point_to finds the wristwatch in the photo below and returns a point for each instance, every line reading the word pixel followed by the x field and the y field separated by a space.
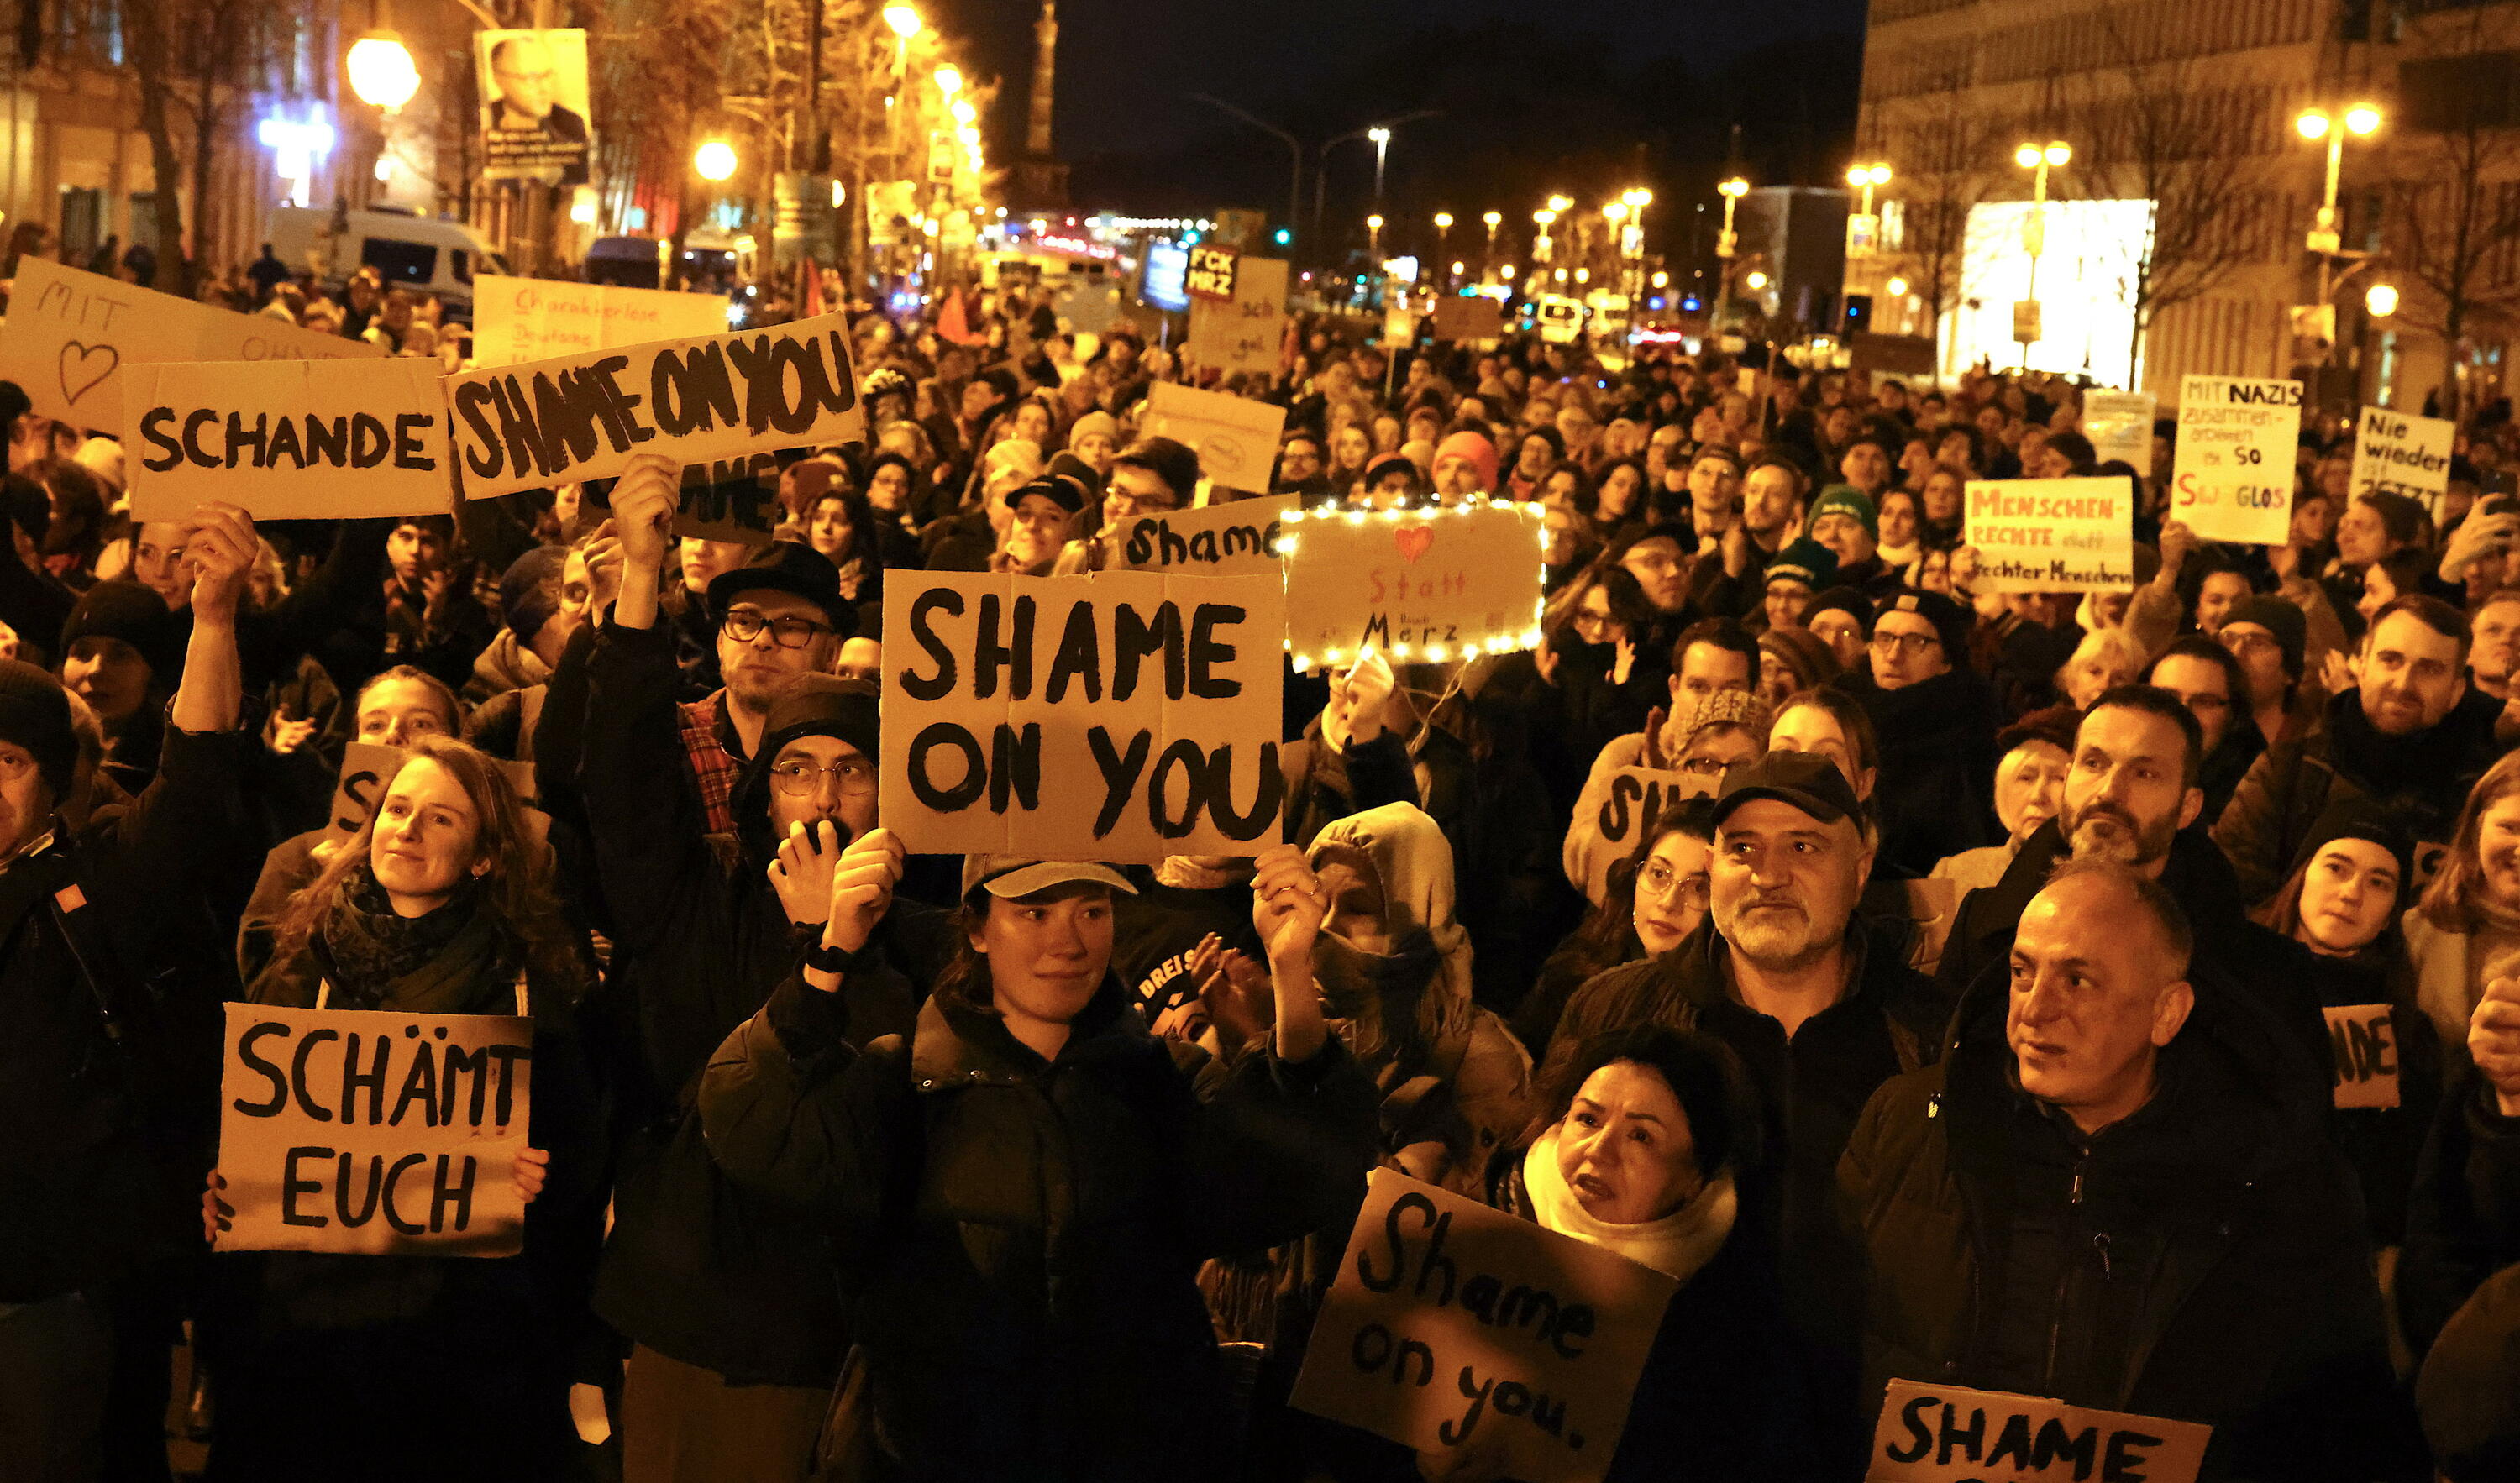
pixel 822 956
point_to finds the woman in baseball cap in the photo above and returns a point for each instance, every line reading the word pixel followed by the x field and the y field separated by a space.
pixel 1028 1185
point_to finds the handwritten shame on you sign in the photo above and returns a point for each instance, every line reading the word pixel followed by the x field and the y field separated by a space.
pixel 1235 540
pixel 2233 473
pixel 71 337
pixel 373 1132
pixel 287 439
pixel 582 417
pixel 1423 584
pixel 1458 1330
pixel 1119 716
pixel 2053 535
pixel 1945 1435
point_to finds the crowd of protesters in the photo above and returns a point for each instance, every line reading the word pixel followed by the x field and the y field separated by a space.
pixel 1966 1024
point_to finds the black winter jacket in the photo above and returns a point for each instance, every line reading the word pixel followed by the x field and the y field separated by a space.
pixel 1020 1236
pixel 1938 761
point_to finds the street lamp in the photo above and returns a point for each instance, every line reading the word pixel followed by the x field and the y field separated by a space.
pixel 903 20
pixel 381 72
pixel 1373 238
pixel 2038 159
pixel 1487 259
pixel 949 79
pixel 1896 287
pixel 1444 241
pixel 1731 190
pixel 2381 300
pixel 1755 280
pixel 2361 120
pixel 714 161
pixel 1381 138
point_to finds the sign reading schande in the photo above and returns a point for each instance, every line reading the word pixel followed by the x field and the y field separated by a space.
pixel 2053 535
pixel 374 1132
pixel 287 439
pixel 2232 476
pixel 1121 717
pixel 583 416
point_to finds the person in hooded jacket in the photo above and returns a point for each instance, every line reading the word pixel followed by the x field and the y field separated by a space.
pixel 1023 1186
pixel 1354 755
pixel 1935 721
pixel 2107 1193
pixel 325 1363
pixel 737 1333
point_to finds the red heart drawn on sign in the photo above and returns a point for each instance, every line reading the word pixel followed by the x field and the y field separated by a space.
pixel 1413 541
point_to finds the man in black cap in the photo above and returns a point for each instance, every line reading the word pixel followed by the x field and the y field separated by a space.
pixel 109 1024
pixel 737 1330
pixel 1935 719
pixel 1782 972
pixel 781 615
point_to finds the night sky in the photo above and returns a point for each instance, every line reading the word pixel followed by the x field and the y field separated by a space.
pixel 1574 95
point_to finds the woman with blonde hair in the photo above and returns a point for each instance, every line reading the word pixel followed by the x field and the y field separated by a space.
pixel 2465 932
pixel 2106 658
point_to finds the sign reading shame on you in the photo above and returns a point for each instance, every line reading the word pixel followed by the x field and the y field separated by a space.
pixel 2053 535
pixel 372 1133
pixel 1945 1435
pixel 581 416
pixel 287 439
pixel 1454 1328
pixel 1235 540
pixel 1120 716
pixel 1424 584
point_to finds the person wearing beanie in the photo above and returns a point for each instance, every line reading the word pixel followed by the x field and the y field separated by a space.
pixel 122 654
pixel 1935 719
pixel 111 957
pixel 533 632
pixel 1792 660
pixel 1466 468
pixel 1799 570
pixel 738 1332
pixel 1843 518
pixel 2270 636
pixel 1842 619
pixel 1392 481
pixel 1093 438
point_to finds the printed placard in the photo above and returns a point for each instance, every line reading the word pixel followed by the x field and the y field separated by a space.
pixel 1457 1329
pixel 533 105
pixel 581 416
pixel 287 440
pixel 1629 803
pixel 529 318
pixel 1235 437
pixel 1210 275
pixel 2362 1049
pixel 1245 333
pixel 374 1132
pixel 2119 424
pixel 1231 540
pixel 2403 455
pixel 1947 1434
pixel 1120 715
pixel 2053 535
pixel 2231 479
pixel 1422 584
pixel 70 336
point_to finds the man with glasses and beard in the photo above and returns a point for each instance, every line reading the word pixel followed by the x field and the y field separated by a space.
pixel 725 1294
pixel 2130 797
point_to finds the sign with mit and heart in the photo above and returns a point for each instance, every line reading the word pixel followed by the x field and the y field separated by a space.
pixel 1421 585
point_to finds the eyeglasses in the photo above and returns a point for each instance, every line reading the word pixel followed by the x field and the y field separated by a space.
pixel 798 780
pixel 1658 880
pixel 2243 642
pixel 1908 644
pixel 1586 620
pixel 787 633
pixel 1703 766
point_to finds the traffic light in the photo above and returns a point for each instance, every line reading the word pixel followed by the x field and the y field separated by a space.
pixel 1283 237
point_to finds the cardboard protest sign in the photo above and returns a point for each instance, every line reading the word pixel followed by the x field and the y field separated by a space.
pixel 2053 535
pixel 529 319
pixel 1235 437
pixel 2362 1049
pixel 287 439
pixel 729 499
pixel 1456 1327
pixel 2233 477
pixel 1467 319
pixel 1233 540
pixel 2119 424
pixel 70 336
pixel 1946 1434
pixel 581 416
pixel 1210 273
pixel 367 769
pixel 1421 584
pixel 1636 797
pixel 367 1132
pixel 1245 333
pixel 1149 703
pixel 2403 455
